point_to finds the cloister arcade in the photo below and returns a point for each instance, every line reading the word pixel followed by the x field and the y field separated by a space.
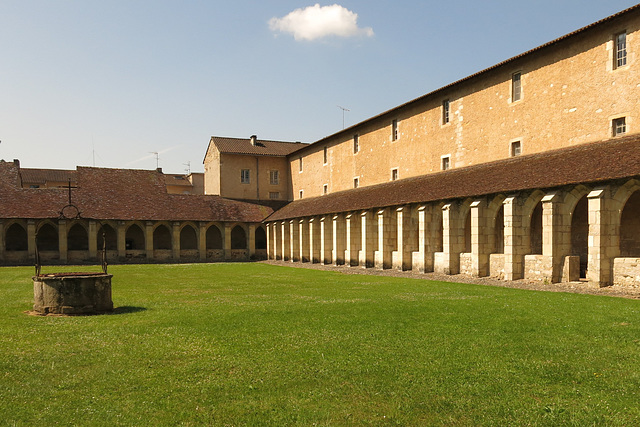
pixel 572 233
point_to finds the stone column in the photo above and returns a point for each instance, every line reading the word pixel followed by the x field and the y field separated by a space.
pixel 148 240
pixel 252 241
pixel 276 244
pixel 556 237
pixel 387 238
pixel 406 234
pixel 31 238
pixel 122 239
pixel 604 240
pixel 354 240
pixel 285 242
pixel 294 240
pixel 326 240
pixel 452 238
pixel 428 225
pixel 267 226
pixel 305 251
pixel 62 240
pixel 514 239
pixel 175 240
pixel 314 240
pixel 369 230
pixel 480 248
pixel 93 240
pixel 227 241
pixel 202 241
pixel 339 240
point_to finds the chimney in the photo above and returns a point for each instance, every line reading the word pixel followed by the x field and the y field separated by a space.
pixel 159 170
pixel 254 140
pixel 16 162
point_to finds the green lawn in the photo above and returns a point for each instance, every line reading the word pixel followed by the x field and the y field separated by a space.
pixel 254 344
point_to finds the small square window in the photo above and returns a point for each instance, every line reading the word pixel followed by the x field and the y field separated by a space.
pixel 619 126
pixel 356 144
pixel 516 148
pixel 245 177
pixel 274 177
pixel 446 163
pixel 394 174
pixel 516 87
pixel 356 182
pixel 274 195
pixel 325 188
pixel 620 59
pixel 394 130
pixel 445 111
pixel 326 156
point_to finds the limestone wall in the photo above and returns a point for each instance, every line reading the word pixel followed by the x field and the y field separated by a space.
pixel 626 272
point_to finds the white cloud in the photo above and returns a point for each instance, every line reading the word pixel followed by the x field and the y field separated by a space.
pixel 315 22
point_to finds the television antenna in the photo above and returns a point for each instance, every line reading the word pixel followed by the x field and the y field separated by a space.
pixel 155 153
pixel 343 111
pixel 188 165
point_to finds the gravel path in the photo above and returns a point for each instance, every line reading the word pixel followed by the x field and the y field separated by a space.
pixel 573 287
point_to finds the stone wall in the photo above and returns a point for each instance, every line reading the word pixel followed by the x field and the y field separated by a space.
pixel 626 272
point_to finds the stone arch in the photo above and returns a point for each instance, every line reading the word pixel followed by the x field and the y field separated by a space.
pixel 532 222
pixel 16 238
pixel 630 226
pixel 78 238
pixel 188 237
pixel 580 233
pixel 495 220
pixel 214 237
pixel 260 238
pixel 238 237
pixel 47 237
pixel 134 238
pixel 467 233
pixel 465 224
pixel 110 236
pixel 162 237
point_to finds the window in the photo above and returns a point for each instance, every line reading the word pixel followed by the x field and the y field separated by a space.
pixel 300 194
pixel 274 177
pixel 619 126
pixel 516 87
pixel 446 162
pixel 326 156
pixel 356 144
pixel 394 174
pixel 394 130
pixel 620 59
pixel 516 148
pixel 300 164
pixel 34 186
pixel 445 111
pixel 274 195
pixel 325 188
pixel 356 182
pixel 245 177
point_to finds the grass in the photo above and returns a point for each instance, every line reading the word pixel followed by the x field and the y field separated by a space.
pixel 254 344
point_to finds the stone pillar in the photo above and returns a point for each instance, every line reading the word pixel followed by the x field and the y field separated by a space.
pixel 276 241
pixel 314 240
pixel 480 247
pixel 252 241
pixel 452 238
pixel 62 240
pixel 31 238
pixel 2 243
pixel 514 239
pixel 93 240
pixel 354 240
pixel 227 241
pixel 202 241
pixel 428 226
pixel 406 234
pixel 339 240
pixel 285 242
pixel 556 236
pixel 369 230
pixel 604 240
pixel 148 239
pixel 267 226
pixel 305 251
pixel 122 239
pixel 294 240
pixel 326 240
pixel 175 240
pixel 387 238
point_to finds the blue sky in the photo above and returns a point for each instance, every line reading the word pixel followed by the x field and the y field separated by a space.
pixel 115 80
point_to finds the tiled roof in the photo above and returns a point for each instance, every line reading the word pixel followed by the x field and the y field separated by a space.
pixel 40 176
pixel 587 163
pixel 119 194
pixel 262 147
pixel 180 180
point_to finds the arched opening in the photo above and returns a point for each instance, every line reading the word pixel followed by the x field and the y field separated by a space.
pixel 188 238
pixel 630 227
pixel 161 238
pixel 498 232
pixel 77 238
pixel 214 238
pixel 47 238
pixel 238 238
pixel 467 233
pixel 261 238
pixel 535 230
pixel 134 238
pixel 580 234
pixel 110 236
pixel 439 242
pixel 16 238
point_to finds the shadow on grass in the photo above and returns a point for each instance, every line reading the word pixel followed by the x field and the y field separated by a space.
pixel 127 310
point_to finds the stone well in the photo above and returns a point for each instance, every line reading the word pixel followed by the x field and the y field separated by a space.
pixel 72 293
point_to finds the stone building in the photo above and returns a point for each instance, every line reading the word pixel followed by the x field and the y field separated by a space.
pixel 528 169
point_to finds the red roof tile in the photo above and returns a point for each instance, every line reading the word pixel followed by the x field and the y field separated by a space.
pixel 262 147
pixel 41 176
